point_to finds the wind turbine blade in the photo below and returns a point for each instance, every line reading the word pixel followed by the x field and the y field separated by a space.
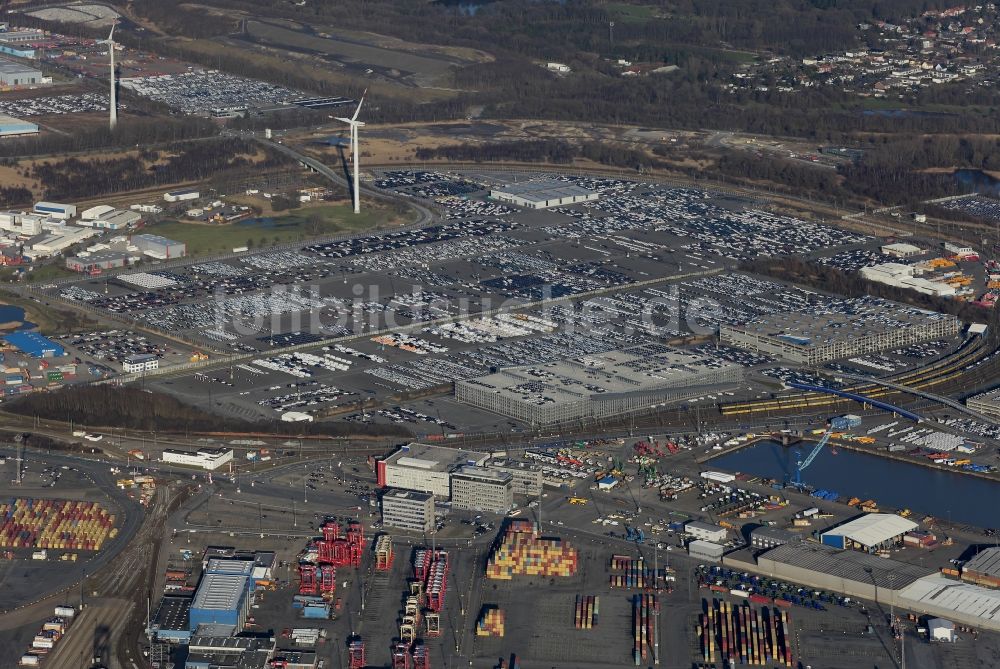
pixel 360 102
pixel 112 33
pixel 344 120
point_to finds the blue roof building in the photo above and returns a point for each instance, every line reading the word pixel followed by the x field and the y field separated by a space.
pixel 221 599
pixel 35 345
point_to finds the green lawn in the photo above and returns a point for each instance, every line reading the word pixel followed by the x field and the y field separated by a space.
pixel 50 272
pixel 266 231
pixel 625 12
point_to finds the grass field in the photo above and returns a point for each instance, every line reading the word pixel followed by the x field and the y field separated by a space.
pixel 296 225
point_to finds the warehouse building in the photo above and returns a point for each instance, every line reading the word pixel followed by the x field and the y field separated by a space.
pixel 871 533
pixel 705 550
pixel 542 193
pixel 206 458
pixel 35 345
pixel 706 531
pixel 48 244
pixel 226 652
pixel 103 217
pixel 964 603
pixel 172 620
pixel 481 489
pixel 181 195
pixel 765 537
pixel 408 510
pixel 526 478
pixel 16 75
pixel 867 326
pixel 901 250
pixel 63 212
pixel 987 404
pixel 138 363
pixel 221 599
pixel 852 573
pixel 424 468
pixel 159 247
pixel 984 568
pixel 597 386
pixel 94 263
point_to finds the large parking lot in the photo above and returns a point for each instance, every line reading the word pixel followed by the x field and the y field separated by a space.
pixel 402 313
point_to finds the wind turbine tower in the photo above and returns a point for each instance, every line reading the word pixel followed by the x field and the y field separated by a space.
pixel 113 107
pixel 353 123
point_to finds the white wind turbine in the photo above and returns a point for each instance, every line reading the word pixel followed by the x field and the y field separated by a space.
pixel 354 124
pixel 113 119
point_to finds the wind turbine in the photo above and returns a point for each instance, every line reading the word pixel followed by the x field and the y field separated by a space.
pixel 354 124
pixel 113 107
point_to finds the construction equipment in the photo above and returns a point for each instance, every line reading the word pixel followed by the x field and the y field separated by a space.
pixel 802 465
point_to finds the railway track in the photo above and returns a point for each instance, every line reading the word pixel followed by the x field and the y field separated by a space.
pixel 938 373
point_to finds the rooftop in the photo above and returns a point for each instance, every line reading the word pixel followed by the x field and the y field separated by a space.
pixel 860 318
pixel 986 562
pixel 847 564
pixel 220 592
pixel 483 474
pixel 873 528
pixel 408 494
pixel 946 595
pixel 541 190
pixel 224 566
pixel 603 376
pixel 173 613
pixel 433 458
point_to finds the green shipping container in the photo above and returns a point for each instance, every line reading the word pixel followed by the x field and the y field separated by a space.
pixel 55 376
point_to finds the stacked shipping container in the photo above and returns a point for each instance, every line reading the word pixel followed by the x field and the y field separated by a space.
pixel 523 552
pixel 58 524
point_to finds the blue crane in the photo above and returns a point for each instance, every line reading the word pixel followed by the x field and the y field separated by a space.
pixel 801 465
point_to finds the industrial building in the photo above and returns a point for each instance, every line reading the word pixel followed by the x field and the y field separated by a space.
pixel 424 468
pixel 63 212
pixel 56 242
pixel 542 193
pixel 706 550
pixel 526 479
pixel 901 250
pixel 765 537
pixel 35 345
pixel 987 403
pixel 103 217
pixel 905 276
pixel 868 326
pixel 159 247
pixel 16 75
pixel 221 599
pixel 984 568
pixel 871 533
pixel 597 386
pixel 481 489
pixel 225 652
pixel 408 510
pixel 706 531
pixel 98 262
pixel 181 195
pixel 140 362
pixel 172 620
pixel 206 458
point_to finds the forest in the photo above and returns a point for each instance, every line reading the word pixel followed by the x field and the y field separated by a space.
pixel 75 178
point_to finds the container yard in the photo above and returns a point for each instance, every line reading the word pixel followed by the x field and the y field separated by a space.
pixel 522 552
pixel 586 612
pixel 45 640
pixel 55 524
pixel 491 622
pixel 742 634
pixel 645 629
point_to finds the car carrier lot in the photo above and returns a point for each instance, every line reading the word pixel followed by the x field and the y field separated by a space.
pixel 643 264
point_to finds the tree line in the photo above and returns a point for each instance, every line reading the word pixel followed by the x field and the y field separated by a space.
pixel 137 409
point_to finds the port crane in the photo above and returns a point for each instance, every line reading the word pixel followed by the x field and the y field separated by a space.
pixel 801 465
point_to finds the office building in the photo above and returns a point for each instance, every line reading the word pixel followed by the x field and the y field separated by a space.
pixel 408 510
pixel 140 362
pixel 526 478
pixel 706 531
pixel 481 489
pixel 424 468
